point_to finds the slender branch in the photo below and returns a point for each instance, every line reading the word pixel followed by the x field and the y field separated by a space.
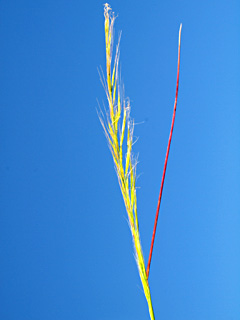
pixel 167 153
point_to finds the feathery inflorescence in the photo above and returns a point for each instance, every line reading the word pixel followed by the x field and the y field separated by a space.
pixel 118 127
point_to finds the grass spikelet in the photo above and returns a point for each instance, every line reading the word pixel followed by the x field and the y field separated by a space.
pixel 119 128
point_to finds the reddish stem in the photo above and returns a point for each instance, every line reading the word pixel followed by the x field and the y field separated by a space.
pixel 166 158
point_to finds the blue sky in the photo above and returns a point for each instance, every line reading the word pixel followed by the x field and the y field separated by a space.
pixel 65 245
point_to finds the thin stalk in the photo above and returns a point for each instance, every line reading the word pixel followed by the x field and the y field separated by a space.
pixel 166 158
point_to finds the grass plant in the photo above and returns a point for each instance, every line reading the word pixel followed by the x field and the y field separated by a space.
pixel 119 127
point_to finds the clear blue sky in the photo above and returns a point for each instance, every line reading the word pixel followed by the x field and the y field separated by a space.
pixel 65 246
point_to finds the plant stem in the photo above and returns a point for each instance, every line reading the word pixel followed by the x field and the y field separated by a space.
pixel 166 158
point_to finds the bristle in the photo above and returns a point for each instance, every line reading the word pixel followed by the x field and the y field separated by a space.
pixel 115 131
